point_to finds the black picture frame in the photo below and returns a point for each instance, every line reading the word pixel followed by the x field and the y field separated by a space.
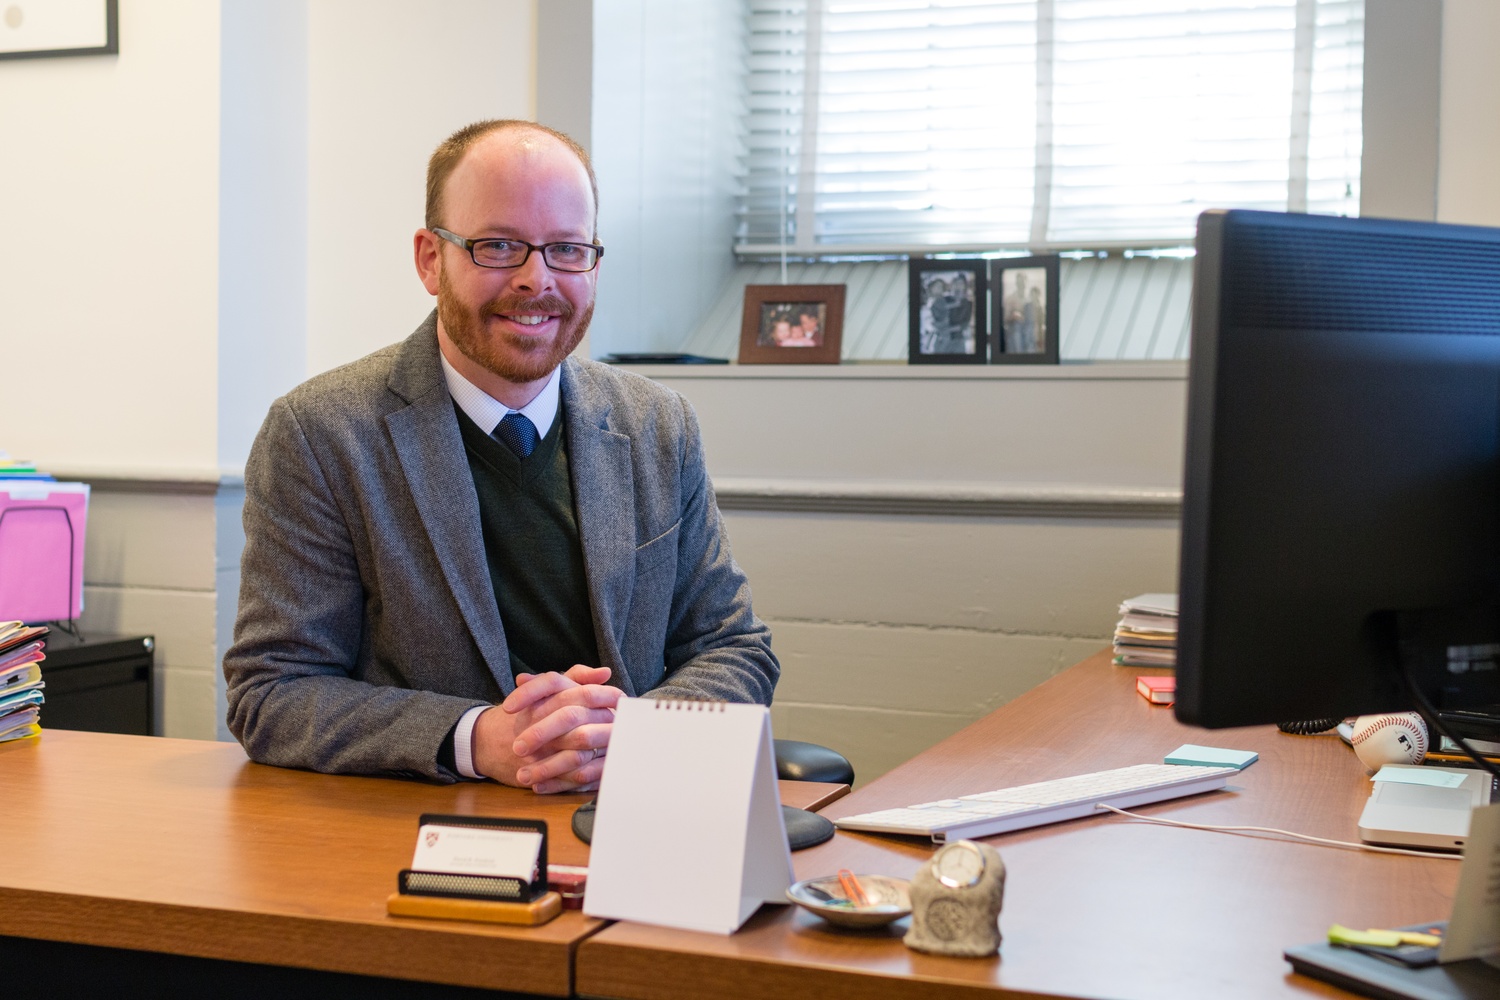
pixel 109 11
pixel 948 313
pixel 1024 327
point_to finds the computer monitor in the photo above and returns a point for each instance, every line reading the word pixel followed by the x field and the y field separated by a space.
pixel 1341 496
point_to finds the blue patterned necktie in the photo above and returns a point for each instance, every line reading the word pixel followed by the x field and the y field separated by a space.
pixel 518 434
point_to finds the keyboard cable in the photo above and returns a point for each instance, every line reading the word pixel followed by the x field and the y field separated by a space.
pixel 1284 833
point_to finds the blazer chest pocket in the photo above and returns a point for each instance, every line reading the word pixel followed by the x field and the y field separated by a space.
pixel 658 554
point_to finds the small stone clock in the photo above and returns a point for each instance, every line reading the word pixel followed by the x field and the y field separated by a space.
pixel 955 901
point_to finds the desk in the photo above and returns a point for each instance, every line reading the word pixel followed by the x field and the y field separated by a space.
pixel 187 848
pixel 1100 907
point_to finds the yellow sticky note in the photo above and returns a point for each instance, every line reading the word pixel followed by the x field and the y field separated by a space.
pixel 1416 937
pixel 1339 934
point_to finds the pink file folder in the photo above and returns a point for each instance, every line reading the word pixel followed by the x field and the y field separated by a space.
pixel 41 550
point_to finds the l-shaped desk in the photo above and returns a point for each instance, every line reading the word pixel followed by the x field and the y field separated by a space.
pixel 185 848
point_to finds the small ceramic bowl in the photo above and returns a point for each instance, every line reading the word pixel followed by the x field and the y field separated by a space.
pixel 889 900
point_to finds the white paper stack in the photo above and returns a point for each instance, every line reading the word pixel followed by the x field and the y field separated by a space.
pixel 1146 634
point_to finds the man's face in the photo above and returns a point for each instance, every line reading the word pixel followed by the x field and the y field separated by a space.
pixel 518 323
pixel 809 323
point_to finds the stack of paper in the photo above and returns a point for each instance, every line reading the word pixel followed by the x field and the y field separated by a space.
pixel 1146 634
pixel 21 684
pixel 20 468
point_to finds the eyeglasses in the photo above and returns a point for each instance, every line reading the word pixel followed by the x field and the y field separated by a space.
pixel 514 253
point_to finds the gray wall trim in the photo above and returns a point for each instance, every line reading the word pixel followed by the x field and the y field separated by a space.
pixel 947 499
pixel 184 482
pixel 755 494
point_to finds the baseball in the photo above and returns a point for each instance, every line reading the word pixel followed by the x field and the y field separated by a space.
pixel 1397 738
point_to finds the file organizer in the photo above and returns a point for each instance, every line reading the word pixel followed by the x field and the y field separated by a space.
pixel 41 550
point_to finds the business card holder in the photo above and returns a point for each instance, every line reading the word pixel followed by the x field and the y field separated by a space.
pixel 487 898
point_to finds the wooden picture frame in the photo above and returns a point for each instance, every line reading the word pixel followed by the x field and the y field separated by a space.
pixel 1024 328
pixel 39 30
pixel 947 312
pixel 792 325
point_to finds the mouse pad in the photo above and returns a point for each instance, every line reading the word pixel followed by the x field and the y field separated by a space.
pixel 803 829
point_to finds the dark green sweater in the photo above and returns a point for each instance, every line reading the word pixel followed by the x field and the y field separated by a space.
pixel 532 547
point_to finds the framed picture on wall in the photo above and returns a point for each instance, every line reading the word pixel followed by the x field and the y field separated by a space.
pixel 1025 301
pixel 947 322
pixel 36 29
pixel 792 325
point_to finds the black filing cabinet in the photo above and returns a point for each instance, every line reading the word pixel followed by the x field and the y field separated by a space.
pixel 102 684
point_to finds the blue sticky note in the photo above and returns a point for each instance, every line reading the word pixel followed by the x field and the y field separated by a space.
pixel 1438 777
pixel 1198 756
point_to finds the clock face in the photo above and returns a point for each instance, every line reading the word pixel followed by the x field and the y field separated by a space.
pixel 958 865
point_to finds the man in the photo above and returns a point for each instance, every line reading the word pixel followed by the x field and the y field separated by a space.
pixel 405 571
pixel 1019 328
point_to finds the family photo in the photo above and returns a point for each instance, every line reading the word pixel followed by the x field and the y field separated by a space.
pixel 791 324
pixel 947 313
pixel 1023 320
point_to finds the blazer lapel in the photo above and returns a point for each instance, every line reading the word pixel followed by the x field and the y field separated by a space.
pixel 431 451
pixel 604 499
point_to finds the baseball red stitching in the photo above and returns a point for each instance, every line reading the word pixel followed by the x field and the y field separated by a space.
pixel 1380 723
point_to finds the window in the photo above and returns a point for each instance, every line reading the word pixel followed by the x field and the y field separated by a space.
pixel 880 126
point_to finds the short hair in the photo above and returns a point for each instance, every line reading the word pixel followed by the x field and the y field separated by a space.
pixel 450 152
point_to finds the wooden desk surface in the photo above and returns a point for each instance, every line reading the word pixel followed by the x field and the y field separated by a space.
pixel 1099 907
pixel 186 847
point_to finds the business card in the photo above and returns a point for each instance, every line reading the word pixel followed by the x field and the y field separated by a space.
pixel 470 850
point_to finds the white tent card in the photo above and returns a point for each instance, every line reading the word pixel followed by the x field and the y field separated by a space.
pixel 688 830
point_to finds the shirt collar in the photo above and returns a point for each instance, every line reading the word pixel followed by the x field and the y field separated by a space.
pixel 486 411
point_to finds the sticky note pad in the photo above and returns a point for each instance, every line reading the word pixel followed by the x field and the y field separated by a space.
pixel 1437 777
pixel 1212 757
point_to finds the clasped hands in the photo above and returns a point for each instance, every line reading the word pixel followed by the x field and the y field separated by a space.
pixel 551 733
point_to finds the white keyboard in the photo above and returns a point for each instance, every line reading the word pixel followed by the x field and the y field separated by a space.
pixel 987 813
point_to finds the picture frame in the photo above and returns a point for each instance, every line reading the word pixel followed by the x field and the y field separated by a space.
pixel 948 316
pixel 1024 327
pixel 40 30
pixel 792 325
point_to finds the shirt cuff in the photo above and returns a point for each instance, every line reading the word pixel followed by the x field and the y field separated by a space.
pixel 463 741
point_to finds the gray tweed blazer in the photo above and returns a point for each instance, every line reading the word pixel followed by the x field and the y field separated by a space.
pixel 367 622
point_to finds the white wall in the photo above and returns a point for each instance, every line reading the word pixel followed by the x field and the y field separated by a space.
pixel 667 100
pixel 1469 138
pixel 109 268
pixel 1431 111
pixel 109 303
pixel 263 214
pixel 251 173
pixel 388 81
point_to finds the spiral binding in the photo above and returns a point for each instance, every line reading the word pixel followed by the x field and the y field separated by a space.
pixel 690 705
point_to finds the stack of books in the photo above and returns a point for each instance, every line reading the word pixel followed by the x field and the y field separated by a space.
pixel 21 656
pixel 1146 634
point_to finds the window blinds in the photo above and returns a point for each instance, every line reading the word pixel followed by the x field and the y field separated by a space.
pixel 897 125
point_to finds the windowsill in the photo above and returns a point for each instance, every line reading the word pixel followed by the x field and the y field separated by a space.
pixel 900 370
